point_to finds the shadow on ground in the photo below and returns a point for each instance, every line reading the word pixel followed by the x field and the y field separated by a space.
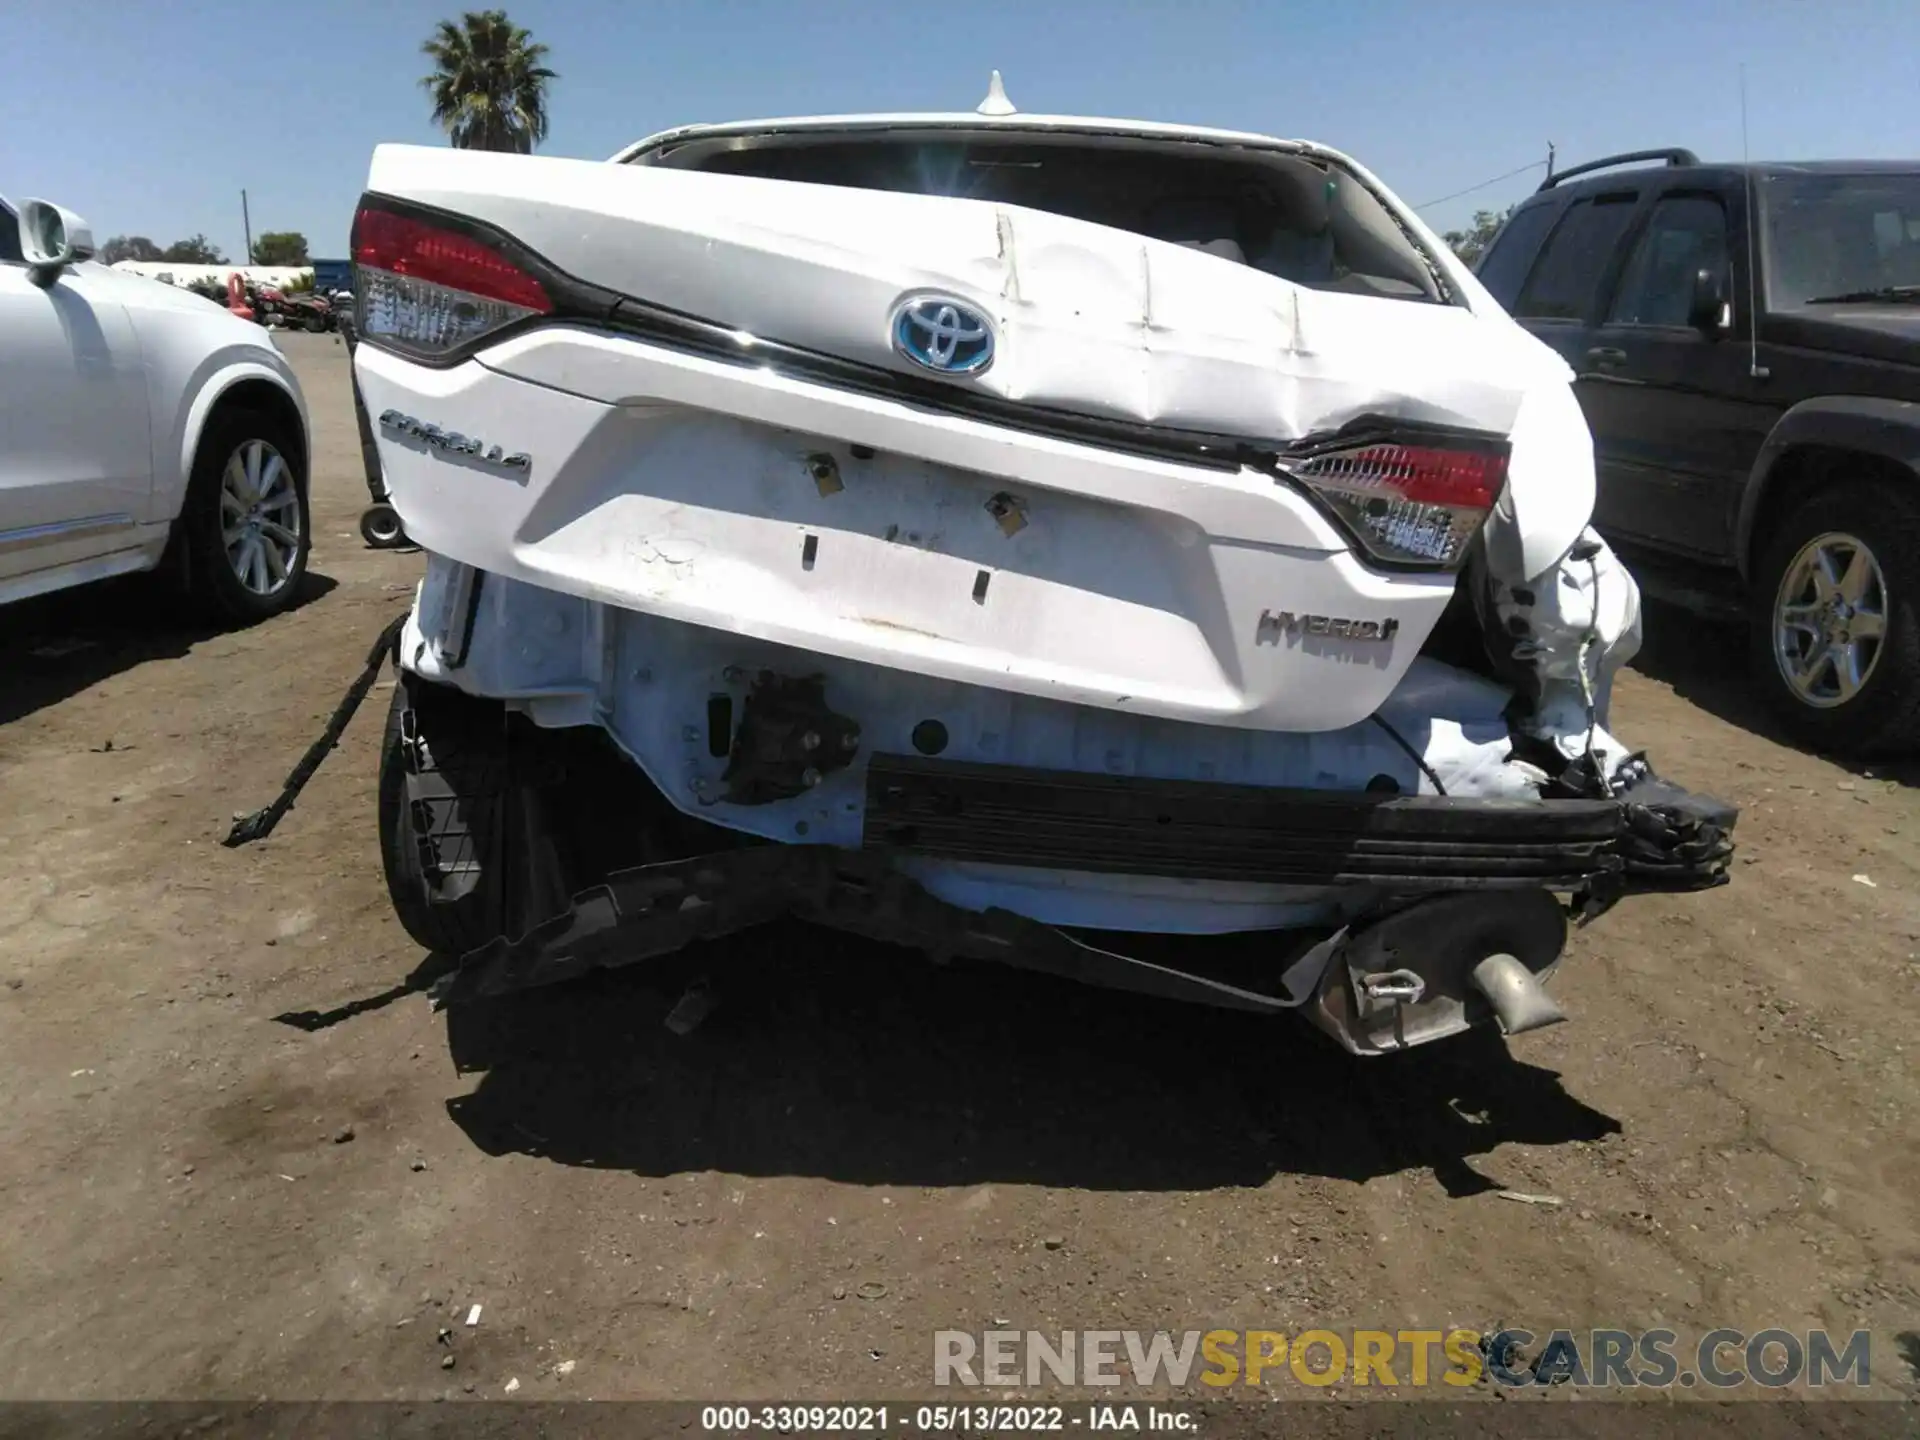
pixel 1705 662
pixel 56 646
pixel 417 982
pixel 855 1062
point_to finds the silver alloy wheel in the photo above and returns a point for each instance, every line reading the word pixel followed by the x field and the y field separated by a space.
pixel 259 517
pixel 1829 620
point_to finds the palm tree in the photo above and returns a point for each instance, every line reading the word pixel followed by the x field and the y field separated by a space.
pixel 489 88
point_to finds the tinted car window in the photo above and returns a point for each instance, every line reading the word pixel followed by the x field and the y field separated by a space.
pixel 1834 237
pixel 9 236
pixel 1506 263
pixel 1562 283
pixel 1687 233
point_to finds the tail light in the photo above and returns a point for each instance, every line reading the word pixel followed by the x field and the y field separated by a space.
pixel 432 290
pixel 1415 504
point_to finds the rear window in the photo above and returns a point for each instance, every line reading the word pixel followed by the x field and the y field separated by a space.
pixel 9 236
pixel 1303 220
pixel 1505 265
pixel 1561 286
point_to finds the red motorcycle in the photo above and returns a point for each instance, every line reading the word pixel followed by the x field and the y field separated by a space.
pixel 296 311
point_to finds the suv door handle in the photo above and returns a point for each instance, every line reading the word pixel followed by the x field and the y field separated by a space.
pixel 1604 355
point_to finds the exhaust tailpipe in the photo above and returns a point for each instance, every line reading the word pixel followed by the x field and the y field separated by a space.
pixel 1518 998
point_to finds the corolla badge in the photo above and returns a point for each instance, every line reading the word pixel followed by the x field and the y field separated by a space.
pixel 452 442
pixel 942 334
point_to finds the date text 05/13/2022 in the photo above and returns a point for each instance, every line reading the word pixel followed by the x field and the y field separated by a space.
pixel 969 1419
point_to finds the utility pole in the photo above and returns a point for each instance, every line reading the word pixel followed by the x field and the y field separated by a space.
pixel 1549 159
pixel 246 222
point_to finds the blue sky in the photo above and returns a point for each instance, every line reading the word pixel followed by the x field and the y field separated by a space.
pixel 149 118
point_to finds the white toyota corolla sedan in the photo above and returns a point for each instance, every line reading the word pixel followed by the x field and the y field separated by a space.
pixel 141 427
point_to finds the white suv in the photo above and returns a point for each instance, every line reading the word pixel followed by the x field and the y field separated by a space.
pixel 141 426
pixel 1060 541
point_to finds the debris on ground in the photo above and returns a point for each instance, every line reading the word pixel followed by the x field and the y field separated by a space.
pixel 343 1135
pixel 691 1009
pixel 1866 881
pixel 511 1386
pixel 1526 1199
pixel 473 1316
pixel 446 1362
pixel 565 1367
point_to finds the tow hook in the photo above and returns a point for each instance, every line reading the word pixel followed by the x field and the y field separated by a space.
pixel 1393 987
pixel 1518 998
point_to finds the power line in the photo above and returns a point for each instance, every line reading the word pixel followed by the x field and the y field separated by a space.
pixel 1532 165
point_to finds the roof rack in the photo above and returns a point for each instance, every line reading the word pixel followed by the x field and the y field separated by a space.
pixel 1674 156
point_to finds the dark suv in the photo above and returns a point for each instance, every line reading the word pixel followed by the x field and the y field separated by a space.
pixel 1747 345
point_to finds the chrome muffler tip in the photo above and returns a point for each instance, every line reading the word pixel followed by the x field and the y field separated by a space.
pixel 1518 998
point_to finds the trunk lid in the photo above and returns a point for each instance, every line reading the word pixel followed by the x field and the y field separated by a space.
pixel 1089 318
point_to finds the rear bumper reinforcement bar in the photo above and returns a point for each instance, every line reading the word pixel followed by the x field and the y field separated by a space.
pixel 1069 820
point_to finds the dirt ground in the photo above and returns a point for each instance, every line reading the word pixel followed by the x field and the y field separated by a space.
pixel 241 1156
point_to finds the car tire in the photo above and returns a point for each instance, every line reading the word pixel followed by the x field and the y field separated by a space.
pixel 380 527
pixel 466 849
pixel 259 575
pixel 1804 629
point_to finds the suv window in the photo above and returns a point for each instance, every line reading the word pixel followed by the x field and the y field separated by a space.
pixel 1687 233
pixel 9 236
pixel 1505 265
pixel 1833 237
pixel 1562 283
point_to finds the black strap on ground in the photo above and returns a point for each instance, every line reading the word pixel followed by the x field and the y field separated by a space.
pixel 260 823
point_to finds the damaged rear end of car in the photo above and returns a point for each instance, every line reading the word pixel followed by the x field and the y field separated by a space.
pixel 1134 553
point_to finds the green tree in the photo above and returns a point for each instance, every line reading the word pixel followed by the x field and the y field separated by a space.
pixel 1469 244
pixel 488 86
pixel 128 247
pixel 196 250
pixel 280 247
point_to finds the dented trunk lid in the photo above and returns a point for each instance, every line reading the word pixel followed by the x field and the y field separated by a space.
pixel 1089 318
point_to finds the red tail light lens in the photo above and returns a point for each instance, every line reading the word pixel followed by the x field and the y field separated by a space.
pixel 433 290
pixel 1409 504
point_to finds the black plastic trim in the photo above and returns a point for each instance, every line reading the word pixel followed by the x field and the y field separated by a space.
pixel 1205 830
pixel 676 330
